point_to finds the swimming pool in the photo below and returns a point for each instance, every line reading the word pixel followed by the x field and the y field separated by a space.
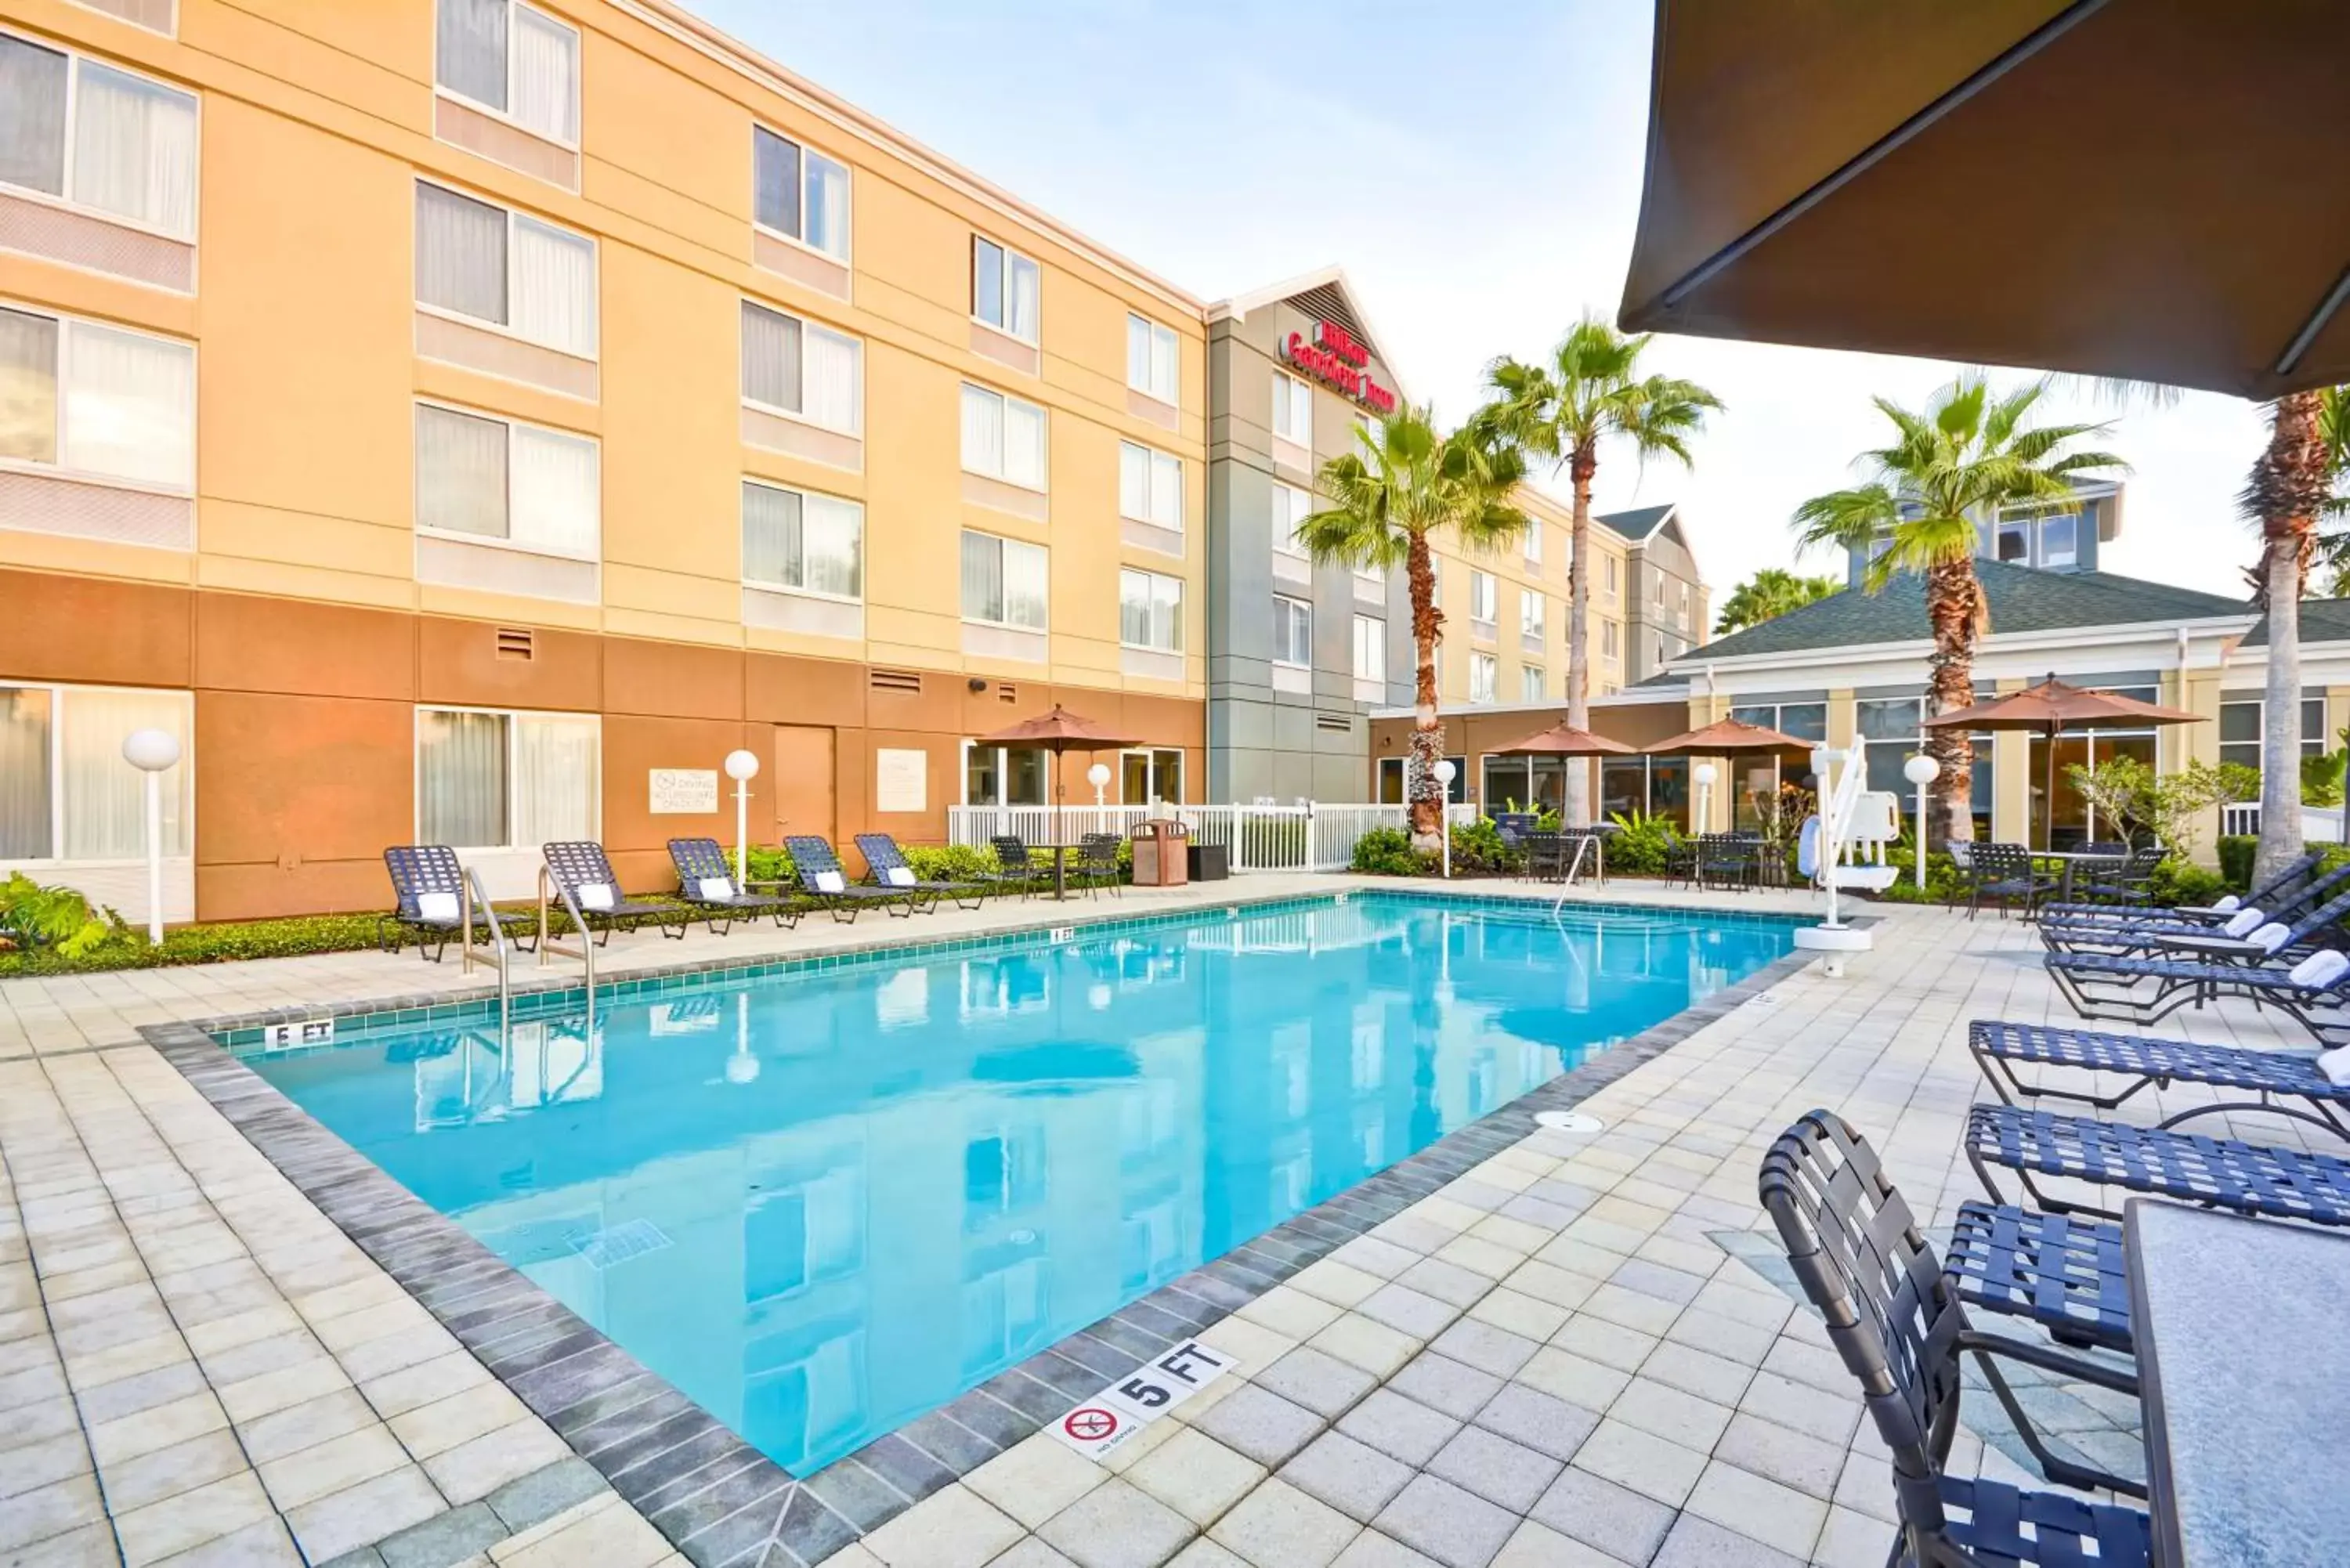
pixel 824 1201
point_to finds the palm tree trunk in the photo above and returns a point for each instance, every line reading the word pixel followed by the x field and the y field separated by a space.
pixel 1951 594
pixel 1583 464
pixel 1426 793
pixel 2289 485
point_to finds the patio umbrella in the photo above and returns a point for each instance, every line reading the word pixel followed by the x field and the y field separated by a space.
pixel 1564 741
pixel 1725 737
pixel 1812 164
pixel 2050 707
pixel 1058 732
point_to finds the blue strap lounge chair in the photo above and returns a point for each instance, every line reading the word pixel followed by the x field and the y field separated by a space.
pixel 428 889
pixel 581 868
pixel 2282 1083
pixel 2223 1173
pixel 888 867
pixel 2314 990
pixel 2157 933
pixel 706 880
pixel 823 880
pixel 2307 868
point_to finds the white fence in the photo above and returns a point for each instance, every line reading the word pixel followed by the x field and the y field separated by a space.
pixel 2319 824
pixel 1309 836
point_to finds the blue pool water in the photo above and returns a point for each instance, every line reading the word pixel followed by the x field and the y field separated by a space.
pixel 823 1203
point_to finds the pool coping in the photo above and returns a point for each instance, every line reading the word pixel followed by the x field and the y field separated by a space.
pixel 713 1496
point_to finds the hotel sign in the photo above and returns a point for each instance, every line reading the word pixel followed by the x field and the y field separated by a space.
pixel 1336 360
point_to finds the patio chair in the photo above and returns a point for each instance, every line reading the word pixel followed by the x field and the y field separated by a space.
pixel 1098 865
pixel 706 882
pixel 2286 882
pixel 823 879
pixel 581 868
pixel 888 867
pixel 1681 862
pixel 2153 930
pixel 1726 861
pixel 2311 991
pixel 1546 854
pixel 2220 1173
pixel 1513 825
pixel 428 889
pixel 2269 1076
pixel 1015 868
pixel 1901 1328
pixel 2004 872
pixel 2124 880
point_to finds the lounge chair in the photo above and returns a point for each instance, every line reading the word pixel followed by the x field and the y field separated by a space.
pixel 706 882
pixel 581 868
pixel 823 880
pixel 2250 934
pixel 1901 1324
pixel 888 867
pixel 2282 885
pixel 1014 865
pixel 2074 933
pixel 428 888
pixel 2220 1173
pixel 2316 982
pixel 2269 1076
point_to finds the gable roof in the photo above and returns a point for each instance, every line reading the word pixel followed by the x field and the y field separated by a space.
pixel 1326 292
pixel 1640 524
pixel 2022 599
pixel 2322 620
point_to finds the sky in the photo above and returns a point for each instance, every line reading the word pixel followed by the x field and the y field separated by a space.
pixel 1476 170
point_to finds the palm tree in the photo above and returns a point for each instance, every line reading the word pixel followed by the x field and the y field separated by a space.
pixel 1769 593
pixel 1961 460
pixel 1405 482
pixel 1590 389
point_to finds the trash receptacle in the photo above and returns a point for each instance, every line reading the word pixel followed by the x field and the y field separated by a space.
pixel 1210 862
pixel 1158 857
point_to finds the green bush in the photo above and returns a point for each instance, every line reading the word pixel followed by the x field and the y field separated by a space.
pixel 2183 882
pixel 2236 852
pixel 1478 849
pixel 1643 845
pixel 770 866
pixel 2322 778
pixel 952 862
pixel 212 943
pixel 52 920
pixel 1387 852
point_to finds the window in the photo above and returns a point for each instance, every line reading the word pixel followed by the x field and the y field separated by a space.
pixel 1371 581
pixel 1525 783
pixel 1152 358
pixel 97 400
pixel 1153 775
pixel 1485 674
pixel 1661 649
pixel 494 780
pixel 496 479
pixel 515 61
pixel 1293 410
pixel 799 193
pixel 1150 610
pixel 1534 541
pixel 1391 790
pixel 1892 727
pixel 1608 564
pixel 65 794
pixel 2240 730
pixel 797 368
pixel 489 264
pixel 1149 486
pixel 1530 614
pixel 1003 438
pixel 2059 540
pixel 1530 683
pixel 1370 647
pixel 999 776
pixel 1290 507
pixel 1293 631
pixel 1484 595
pixel 1369 435
pixel 1003 286
pixel 799 540
pixel 95 138
pixel 1611 642
pixel 1003 581
pixel 1684 601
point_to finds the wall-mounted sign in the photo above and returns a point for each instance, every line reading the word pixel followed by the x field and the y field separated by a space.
pixel 900 779
pixel 1336 360
pixel 683 792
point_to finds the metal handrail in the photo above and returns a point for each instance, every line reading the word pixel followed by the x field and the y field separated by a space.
pixel 499 951
pixel 1583 841
pixel 585 953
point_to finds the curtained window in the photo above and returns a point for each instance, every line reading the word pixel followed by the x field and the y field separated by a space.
pixel 1150 611
pixel 495 478
pixel 97 399
pixel 111 141
pixel 482 261
pixel 1485 675
pixel 27 728
pixel 1530 683
pixel 1290 507
pixel 495 781
pixel 514 60
pixel 1003 438
pixel 1152 358
pixel 101 798
pixel 1370 649
pixel 803 541
pixel 798 367
pixel 1293 631
pixel 1149 486
pixel 1003 581
pixel 799 193
pixel 1004 289
pixel 1293 410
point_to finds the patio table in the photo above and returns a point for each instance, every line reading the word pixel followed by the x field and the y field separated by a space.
pixel 1060 854
pixel 2237 1323
pixel 2073 858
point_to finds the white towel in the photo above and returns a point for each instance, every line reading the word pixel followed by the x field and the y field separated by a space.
pixel 716 887
pixel 2229 901
pixel 594 895
pixel 2321 969
pixel 2244 922
pixel 899 876
pixel 2271 937
pixel 437 906
pixel 831 882
pixel 2335 1066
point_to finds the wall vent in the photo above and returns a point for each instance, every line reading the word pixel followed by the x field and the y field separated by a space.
pixel 1007 692
pixel 896 680
pixel 1338 722
pixel 514 642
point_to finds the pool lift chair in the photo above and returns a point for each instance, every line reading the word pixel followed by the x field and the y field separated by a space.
pixel 1832 838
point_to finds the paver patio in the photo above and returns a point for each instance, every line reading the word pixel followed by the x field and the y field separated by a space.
pixel 1574 1354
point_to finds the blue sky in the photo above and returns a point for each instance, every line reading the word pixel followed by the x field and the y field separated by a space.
pixel 1475 166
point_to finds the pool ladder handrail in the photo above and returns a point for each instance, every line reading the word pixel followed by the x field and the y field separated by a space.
pixel 1589 841
pixel 585 953
pixel 500 952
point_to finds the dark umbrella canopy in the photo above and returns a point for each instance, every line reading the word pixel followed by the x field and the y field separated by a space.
pixel 1058 732
pixel 2148 195
pixel 2051 707
pixel 1724 736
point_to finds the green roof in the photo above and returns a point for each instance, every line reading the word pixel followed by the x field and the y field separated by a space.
pixel 1637 524
pixel 2322 620
pixel 2022 599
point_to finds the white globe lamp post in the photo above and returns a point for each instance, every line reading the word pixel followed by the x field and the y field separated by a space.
pixel 1445 774
pixel 1922 771
pixel 1097 775
pixel 742 766
pixel 153 753
pixel 1703 775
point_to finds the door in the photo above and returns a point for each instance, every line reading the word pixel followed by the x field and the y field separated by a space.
pixel 805 781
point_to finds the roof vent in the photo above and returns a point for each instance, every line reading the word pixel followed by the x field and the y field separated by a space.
pixel 514 642
pixel 896 680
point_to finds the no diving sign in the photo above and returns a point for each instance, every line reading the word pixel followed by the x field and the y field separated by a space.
pixel 1110 1417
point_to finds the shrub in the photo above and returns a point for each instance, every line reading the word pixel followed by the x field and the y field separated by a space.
pixel 770 866
pixel 951 862
pixel 53 919
pixel 2322 778
pixel 1387 852
pixel 1643 845
pixel 1479 849
pixel 2236 852
pixel 2183 882
pixel 212 943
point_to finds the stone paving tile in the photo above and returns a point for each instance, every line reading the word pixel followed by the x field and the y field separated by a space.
pixel 1439 1520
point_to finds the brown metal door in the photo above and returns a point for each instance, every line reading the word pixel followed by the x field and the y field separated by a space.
pixel 805 781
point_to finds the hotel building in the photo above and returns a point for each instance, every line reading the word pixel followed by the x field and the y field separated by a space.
pixel 467 421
